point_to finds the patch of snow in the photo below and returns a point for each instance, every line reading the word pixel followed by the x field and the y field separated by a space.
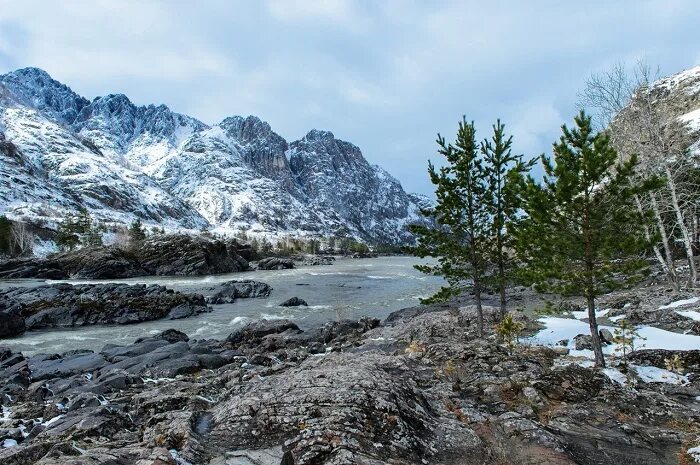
pixel 650 374
pixel 557 329
pixel 7 443
pixel 616 318
pixel 695 453
pixel 692 314
pixel 680 303
pixel 615 375
pixel 581 315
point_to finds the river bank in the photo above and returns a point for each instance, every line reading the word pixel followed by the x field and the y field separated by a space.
pixel 419 388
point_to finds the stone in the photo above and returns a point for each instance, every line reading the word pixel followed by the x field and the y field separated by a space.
pixel 294 302
pixel 583 341
pixel 229 291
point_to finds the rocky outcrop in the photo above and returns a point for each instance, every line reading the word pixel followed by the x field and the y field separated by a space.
pixel 424 389
pixel 65 305
pixel 156 256
pixel 274 263
pixel 229 291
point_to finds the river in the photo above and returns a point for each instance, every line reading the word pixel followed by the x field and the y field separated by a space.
pixel 350 288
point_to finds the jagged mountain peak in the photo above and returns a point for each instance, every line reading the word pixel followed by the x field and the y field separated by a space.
pixel 124 160
pixel 318 135
pixel 35 88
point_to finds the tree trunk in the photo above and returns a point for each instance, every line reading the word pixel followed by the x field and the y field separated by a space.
pixel 595 335
pixel 692 279
pixel 673 278
pixel 657 252
pixel 479 309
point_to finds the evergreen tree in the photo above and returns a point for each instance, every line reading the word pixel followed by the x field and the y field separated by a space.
pixel 66 238
pixel 461 216
pixel 5 235
pixel 504 174
pixel 136 232
pixel 93 236
pixel 583 234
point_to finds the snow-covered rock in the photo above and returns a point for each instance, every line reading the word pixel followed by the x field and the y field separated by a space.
pixel 62 152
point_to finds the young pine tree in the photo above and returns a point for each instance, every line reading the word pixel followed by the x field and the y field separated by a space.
pixel 136 232
pixel 461 217
pixel 504 174
pixel 583 234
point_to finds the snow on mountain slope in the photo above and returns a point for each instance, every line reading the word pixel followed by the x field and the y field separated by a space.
pixel 123 161
pixel 109 191
pixel 334 175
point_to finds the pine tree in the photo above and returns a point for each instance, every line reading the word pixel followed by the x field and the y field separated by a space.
pixel 583 234
pixel 66 238
pixel 504 175
pixel 5 235
pixel 461 216
pixel 136 232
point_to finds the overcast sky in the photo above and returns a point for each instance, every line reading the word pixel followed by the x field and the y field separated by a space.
pixel 385 75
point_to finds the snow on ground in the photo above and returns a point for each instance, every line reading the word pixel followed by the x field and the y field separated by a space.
pixel 692 314
pixel 616 318
pixel 695 453
pixel 584 314
pixel 680 303
pixel 659 375
pixel 558 329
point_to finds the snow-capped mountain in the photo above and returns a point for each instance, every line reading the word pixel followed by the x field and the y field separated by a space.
pixel 61 152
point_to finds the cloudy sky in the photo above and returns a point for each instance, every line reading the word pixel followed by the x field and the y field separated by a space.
pixel 386 75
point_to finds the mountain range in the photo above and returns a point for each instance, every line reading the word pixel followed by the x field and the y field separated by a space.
pixel 60 152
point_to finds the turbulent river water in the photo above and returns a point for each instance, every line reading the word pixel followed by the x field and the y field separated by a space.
pixel 350 288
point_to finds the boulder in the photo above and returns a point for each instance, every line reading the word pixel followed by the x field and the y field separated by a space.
pixel 274 263
pixel 583 341
pixel 606 337
pixel 294 302
pixel 253 332
pixel 229 291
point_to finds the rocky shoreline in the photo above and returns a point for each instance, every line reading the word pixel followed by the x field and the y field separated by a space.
pixel 419 388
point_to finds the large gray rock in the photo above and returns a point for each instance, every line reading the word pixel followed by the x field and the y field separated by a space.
pixel 294 302
pixel 229 291
pixel 274 263
pixel 66 305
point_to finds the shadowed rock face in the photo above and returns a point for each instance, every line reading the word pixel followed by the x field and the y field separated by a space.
pixel 156 256
pixel 65 306
pixel 423 389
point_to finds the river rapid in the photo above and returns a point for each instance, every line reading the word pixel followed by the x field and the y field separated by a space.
pixel 350 288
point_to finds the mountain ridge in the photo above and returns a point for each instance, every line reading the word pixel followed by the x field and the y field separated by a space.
pixel 124 161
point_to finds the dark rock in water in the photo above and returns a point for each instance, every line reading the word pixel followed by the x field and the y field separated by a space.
pixel 176 254
pixel 66 305
pixel 229 291
pixel 274 263
pixel 11 319
pixel 294 302
pixel 169 335
pixel 583 341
